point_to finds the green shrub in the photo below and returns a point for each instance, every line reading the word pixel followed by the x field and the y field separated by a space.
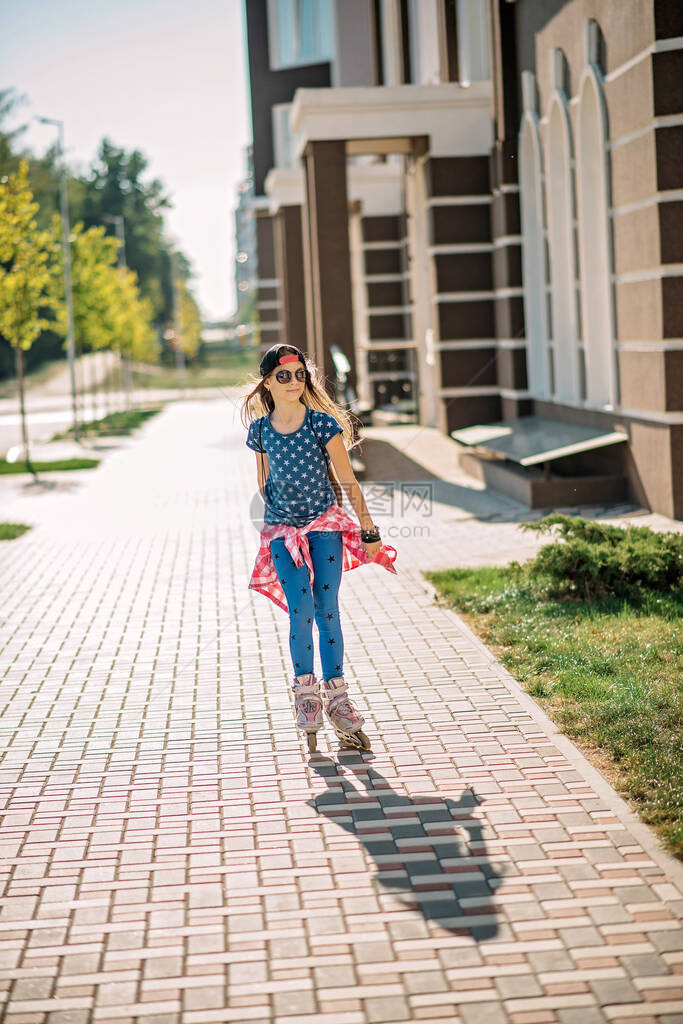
pixel 592 559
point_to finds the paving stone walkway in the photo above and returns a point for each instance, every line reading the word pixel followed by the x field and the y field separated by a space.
pixel 169 853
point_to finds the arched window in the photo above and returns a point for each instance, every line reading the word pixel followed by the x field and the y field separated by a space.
pixel 560 207
pixel 533 246
pixel 595 246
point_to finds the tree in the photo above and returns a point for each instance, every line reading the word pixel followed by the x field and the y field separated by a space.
pixel 28 264
pixel 136 336
pixel 109 312
pixel 115 186
pixel 189 320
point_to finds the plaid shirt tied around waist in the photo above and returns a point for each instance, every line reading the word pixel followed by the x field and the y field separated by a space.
pixel 264 578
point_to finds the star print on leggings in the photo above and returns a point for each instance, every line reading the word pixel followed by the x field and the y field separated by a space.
pixel 308 620
pixel 293 636
pixel 277 556
pixel 331 639
pixel 308 648
pixel 330 616
pixel 331 558
pixel 337 667
pixel 295 610
pixel 326 586
pixel 304 590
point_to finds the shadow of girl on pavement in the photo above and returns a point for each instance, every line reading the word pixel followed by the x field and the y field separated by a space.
pixel 430 851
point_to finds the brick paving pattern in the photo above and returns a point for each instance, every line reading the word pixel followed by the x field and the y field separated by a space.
pixel 169 852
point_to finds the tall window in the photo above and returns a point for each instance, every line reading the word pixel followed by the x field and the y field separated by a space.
pixel 473 49
pixel 378 41
pixel 300 32
pixel 464 41
pixel 405 42
pixel 594 232
pixel 533 245
pixel 450 37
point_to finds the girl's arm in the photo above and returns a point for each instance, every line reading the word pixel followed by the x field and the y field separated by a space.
pixel 342 467
pixel 261 472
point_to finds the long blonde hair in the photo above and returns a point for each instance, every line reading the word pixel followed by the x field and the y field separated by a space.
pixel 259 401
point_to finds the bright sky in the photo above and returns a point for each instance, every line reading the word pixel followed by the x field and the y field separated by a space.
pixel 167 77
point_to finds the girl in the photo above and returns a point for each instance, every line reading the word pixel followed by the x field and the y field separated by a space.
pixel 308 539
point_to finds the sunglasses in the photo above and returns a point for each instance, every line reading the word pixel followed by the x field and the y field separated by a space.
pixel 284 376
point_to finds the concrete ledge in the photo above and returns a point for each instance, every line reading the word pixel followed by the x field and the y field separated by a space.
pixel 531 487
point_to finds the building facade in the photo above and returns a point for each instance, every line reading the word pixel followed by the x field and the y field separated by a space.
pixel 588 110
pixel 477 202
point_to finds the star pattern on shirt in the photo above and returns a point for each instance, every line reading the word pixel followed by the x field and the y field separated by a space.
pixel 298 487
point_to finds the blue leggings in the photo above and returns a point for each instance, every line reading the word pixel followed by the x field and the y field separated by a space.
pixel 322 605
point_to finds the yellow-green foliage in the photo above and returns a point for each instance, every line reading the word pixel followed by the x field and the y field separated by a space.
pixel 190 321
pixel 109 312
pixel 28 298
pixel 134 333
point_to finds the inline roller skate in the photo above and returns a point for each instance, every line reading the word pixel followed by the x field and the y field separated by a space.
pixel 308 707
pixel 343 717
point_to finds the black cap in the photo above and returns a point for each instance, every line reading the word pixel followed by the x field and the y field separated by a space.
pixel 271 358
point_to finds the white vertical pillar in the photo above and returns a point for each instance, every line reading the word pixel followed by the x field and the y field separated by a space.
pixel 360 306
pixel 595 248
pixel 560 207
pixel 421 289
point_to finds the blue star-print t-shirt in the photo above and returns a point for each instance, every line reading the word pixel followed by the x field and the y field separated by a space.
pixel 298 487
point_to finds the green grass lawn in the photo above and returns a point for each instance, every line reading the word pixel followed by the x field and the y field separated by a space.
pixel 609 672
pixel 7 468
pixel 10 531
pixel 115 424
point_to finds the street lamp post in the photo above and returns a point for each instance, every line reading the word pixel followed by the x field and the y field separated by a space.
pixel 66 247
pixel 117 220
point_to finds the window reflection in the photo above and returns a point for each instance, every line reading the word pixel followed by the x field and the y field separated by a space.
pixel 300 32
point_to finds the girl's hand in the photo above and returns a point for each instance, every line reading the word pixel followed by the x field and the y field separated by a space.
pixel 372 549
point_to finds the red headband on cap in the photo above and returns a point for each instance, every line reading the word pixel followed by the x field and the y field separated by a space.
pixel 288 359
